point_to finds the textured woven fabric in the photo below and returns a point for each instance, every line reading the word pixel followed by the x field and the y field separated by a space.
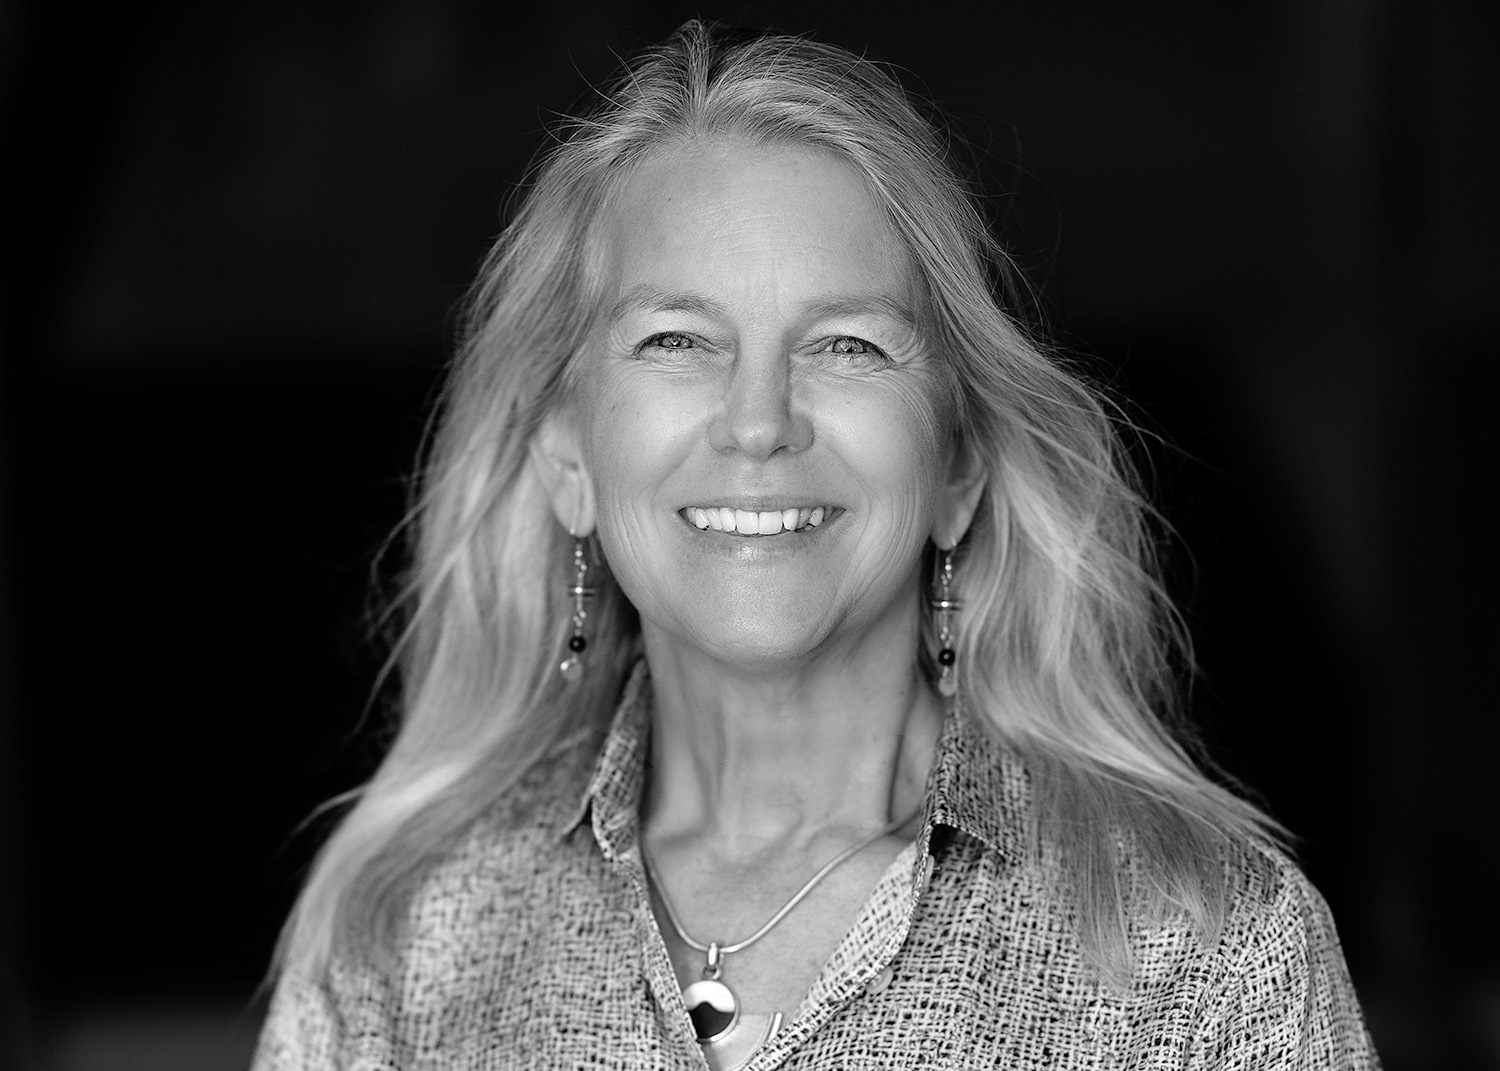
pixel 533 945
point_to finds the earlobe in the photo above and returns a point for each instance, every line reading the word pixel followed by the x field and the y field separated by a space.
pixel 966 484
pixel 557 459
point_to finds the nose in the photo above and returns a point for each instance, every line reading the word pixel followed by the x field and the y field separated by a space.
pixel 760 414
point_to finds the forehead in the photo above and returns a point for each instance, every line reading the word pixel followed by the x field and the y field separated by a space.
pixel 791 222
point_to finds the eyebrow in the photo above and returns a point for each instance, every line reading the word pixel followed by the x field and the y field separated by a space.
pixel 656 299
pixel 645 296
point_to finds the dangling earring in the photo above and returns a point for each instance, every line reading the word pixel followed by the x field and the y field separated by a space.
pixel 571 667
pixel 946 606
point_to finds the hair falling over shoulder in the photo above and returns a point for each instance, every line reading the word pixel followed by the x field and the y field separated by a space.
pixel 1069 650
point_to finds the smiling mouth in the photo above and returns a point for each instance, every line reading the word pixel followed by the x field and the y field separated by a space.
pixel 755 522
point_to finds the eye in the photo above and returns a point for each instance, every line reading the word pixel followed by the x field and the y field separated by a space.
pixel 849 346
pixel 668 340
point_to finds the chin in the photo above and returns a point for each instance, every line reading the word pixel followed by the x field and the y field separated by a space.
pixel 753 641
pixel 774 654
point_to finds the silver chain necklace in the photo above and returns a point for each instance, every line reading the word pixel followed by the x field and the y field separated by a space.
pixel 711 1004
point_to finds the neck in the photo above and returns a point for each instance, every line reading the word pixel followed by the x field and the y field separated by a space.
pixel 747 761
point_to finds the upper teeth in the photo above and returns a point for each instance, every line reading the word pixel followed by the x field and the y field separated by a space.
pixel 751 522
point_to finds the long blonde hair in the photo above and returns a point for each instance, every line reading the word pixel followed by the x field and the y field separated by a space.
pixel 1068 644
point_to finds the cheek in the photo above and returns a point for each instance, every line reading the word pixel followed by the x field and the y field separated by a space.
pixel 896 438
pixel 634 440
pixel 611 437
pixel 613 425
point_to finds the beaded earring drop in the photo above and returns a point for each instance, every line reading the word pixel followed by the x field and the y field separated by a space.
pixel 946 606
pixel 571 666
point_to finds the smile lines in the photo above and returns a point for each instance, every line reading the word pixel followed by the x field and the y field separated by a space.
pixel 750 522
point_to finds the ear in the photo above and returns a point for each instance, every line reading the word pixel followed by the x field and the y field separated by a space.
pixel 557 459
pixel 967 479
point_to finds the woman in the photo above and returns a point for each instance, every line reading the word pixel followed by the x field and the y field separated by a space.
pixel 783 679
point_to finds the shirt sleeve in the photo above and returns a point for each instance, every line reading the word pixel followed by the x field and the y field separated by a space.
pixel 1288 1003
pixel 337 1023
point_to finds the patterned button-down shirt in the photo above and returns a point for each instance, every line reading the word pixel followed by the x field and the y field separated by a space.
pixel 533 945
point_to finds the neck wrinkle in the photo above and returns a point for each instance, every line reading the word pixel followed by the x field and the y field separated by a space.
pixel 745 768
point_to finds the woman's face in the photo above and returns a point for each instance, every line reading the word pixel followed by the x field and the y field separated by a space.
pixel 759 419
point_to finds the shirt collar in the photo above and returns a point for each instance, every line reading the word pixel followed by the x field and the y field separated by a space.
pixel 613 795
pixel 977 785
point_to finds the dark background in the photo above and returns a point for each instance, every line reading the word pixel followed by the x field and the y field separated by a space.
pixel 232 240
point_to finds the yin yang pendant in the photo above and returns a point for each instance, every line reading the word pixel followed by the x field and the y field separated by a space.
pixel 711 1005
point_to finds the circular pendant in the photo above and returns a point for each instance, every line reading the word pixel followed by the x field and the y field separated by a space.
pixel 712 1007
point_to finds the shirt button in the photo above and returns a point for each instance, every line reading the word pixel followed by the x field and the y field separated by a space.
pixel 881 982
